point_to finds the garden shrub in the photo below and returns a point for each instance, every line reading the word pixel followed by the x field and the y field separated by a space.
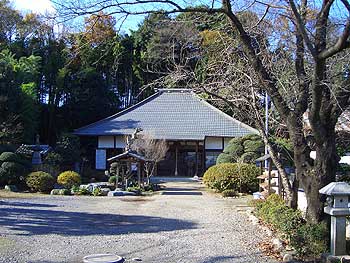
pixel 13 168
pixel 225 158
pixel 11 172
pixel 249 157
pixel 76 190
pixel 309 240
pixel 40 181
pixel 244 149
pixel 256 146
pixel 151 187
pixel 234 176
pixel 8 157
pixel 112 179
pixel 97 192
pixel 250 147
pixel 68 179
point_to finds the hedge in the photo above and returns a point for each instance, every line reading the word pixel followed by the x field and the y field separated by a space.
pixel 232 176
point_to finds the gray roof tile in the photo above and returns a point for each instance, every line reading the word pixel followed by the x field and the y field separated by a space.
pixel 173 114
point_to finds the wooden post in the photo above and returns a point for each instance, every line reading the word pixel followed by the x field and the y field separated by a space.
pixel 117 175
pixel 139 173
pixel 269 177
pixel 176 157
pixel 204 158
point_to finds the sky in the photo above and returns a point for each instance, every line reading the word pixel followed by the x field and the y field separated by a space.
pixel 35 6
pixel 45 6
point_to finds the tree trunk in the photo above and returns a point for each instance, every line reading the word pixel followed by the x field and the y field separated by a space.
pixel 317 176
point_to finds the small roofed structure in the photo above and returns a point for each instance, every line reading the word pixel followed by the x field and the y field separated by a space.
pixel 123 167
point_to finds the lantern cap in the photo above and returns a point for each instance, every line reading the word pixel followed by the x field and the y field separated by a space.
pixel 336 188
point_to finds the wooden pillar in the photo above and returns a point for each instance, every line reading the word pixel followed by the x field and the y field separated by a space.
pixel 204 157
pixel 117 175
pixel 197 146
pixel 139 173
pixel 176 159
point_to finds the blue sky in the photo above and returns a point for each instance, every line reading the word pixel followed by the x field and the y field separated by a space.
pixel 36 6
pixel 44 6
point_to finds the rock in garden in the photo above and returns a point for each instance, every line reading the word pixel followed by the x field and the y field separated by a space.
pixel 277 243
pixel 288 257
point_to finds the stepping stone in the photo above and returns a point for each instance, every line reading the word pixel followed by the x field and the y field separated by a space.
pixel 103 258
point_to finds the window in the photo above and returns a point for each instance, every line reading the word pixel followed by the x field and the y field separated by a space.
pixel 210 158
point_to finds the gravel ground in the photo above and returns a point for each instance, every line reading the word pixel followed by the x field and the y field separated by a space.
pixel 182 224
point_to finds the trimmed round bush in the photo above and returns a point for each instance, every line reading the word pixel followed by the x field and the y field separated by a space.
pixel 249 157
pixel 3 176
pixel 225 158
pixel 68 179
pixel 12 172
pixel 243 149
pixel 240 177
pixel 8 157
pixel 254 146
pixel 40 181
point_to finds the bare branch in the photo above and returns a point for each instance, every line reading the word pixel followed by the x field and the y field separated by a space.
pixel 302 29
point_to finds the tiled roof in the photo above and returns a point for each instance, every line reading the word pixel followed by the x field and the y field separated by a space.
pixel 172 114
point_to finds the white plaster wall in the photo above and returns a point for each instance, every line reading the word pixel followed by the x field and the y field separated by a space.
pixel 106 142
pixel 120 141
pixel 302 203
pixel 213 143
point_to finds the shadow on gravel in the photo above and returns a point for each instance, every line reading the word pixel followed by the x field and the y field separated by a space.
pixel 180 189
pixel 25 204
pixel 221 259
pixel 181 193
pixel 43 222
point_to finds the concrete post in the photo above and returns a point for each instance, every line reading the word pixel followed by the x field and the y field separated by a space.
pixel 338 244
pixel 338 208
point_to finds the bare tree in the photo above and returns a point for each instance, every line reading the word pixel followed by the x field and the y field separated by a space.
pixel 152 149
pixel 314 56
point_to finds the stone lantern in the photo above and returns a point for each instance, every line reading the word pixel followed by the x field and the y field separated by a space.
pixel 338 208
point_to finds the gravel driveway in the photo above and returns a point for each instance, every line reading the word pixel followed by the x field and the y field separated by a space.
pixel 182 224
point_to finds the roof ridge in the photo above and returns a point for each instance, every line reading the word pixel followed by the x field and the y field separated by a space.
pixel 175 90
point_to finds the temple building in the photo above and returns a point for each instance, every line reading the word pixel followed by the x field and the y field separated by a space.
pixel 195 131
